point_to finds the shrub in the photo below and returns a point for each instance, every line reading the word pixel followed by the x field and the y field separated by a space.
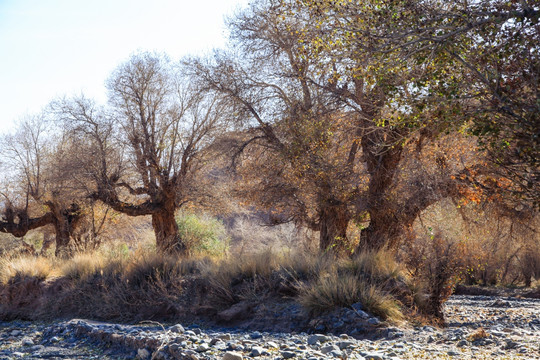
pixel 203 235
pixel 39 268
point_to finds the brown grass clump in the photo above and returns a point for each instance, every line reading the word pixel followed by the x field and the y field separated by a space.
pixel 39 268
pixel 480 333
pixel 334 291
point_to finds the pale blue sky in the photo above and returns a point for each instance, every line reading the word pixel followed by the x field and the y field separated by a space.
pixel 51 48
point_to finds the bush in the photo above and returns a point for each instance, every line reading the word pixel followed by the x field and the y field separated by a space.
pixel 203 235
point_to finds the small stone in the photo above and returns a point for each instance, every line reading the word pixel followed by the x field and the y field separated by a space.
pixel 374 321
pixel 197 331
pixel 18 354
pixel 452 353
pixel 329 348
pixel 55 339
pixel 272 345
pixel 224 336
pixel 203 348
pixel 177 329
pixel 230 355
pixel 374 356
pixel 345 344
pixel 287 354
pixel 27 342
pixel 462 343
pixel 257 351
pixel 16 333
pixel 256 335
pixel 313 339
pixel 143 354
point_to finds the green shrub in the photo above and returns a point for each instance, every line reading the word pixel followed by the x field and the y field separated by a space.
pixel 203 235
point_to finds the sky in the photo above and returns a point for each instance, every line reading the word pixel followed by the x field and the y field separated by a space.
pixel 55 48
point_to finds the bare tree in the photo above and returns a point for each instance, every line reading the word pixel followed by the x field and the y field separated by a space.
pixel 37 192
pixel 148 147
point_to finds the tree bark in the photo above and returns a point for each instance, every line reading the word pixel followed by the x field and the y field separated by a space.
pixel 168 238
pixel 65 222
pixel 333 224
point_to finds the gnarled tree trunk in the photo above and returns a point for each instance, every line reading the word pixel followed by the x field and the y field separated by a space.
pixel 168 238
pixel 333 224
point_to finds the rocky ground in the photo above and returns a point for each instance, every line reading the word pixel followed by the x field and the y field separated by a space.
pixel 479 327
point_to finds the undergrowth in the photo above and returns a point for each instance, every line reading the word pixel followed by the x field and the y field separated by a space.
pixel 145 285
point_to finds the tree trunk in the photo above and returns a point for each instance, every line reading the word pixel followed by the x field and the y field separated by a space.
pixel 168 238
pixel 333 224
pixel 64 248
pixel 65 222
pixel 384 230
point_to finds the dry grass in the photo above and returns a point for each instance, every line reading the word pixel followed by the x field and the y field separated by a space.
pixel 145 285
pixel 39 268
pixel 369 278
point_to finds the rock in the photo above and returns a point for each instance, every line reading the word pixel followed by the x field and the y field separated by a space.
pixel 272 345
pixel 224 336
pixel 287 354
pixel 16 333
pixel 314 339
pixel 256 335
pixel 230 355
pixel 143 354
pixel 374 356
pixel 257 351
pixel 203 348
pixel 177 329
pixel 27 342
pixel 329 348
pixel 345 344
pixel 373 321
pixel 462 343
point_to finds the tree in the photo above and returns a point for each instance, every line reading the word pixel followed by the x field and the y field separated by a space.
pixel 491 44
pixel 148 147
pixel 326 132
pixel 38 192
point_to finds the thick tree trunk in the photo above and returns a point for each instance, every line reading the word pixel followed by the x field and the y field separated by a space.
pixel 65 222
pixel 168 239
pixel 333 224
pixel 64 246
pixel 384 230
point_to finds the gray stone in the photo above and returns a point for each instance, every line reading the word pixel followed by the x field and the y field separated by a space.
pixel 177 329
pixel 329 348
pixel 256 335
pixel 374 321
pixel 203 347
pixel 345 344
pixel 257 351
pixel 462 343
pixel 224 336
pixel 230 355
pixel 143 354
pixel 313 339
pixel 287 354
pixel 374 356
pixel 16 333
pixel 27 342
